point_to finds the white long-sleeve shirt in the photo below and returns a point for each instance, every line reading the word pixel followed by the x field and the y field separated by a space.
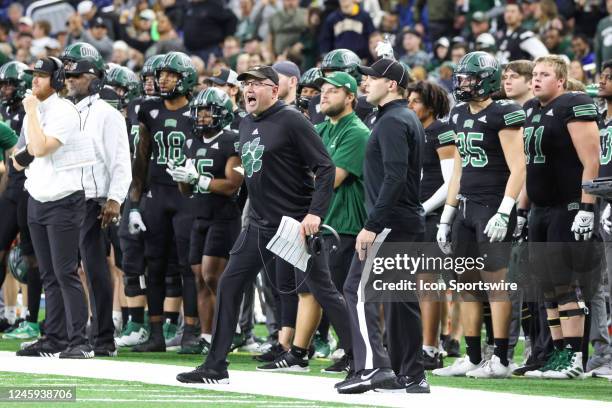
pixel 111 176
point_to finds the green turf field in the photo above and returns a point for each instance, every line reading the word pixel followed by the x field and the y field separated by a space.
pixel 591 388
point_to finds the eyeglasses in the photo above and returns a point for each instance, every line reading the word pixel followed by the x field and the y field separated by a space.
pixel 255 84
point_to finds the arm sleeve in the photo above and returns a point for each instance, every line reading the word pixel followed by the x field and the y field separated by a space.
pixel 117 149
pixel 312 151
pixel 395 152
pixel 8 137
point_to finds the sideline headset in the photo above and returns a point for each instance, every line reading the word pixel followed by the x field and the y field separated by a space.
pixel 58 78
pixel 315 242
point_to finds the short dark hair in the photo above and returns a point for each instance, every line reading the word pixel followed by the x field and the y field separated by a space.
pixel 522 67
pixel 434 97
pixel 44 25
pixel 607 64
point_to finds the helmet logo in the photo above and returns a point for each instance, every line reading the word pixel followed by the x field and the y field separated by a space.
pixel 486 61
pixel 88 52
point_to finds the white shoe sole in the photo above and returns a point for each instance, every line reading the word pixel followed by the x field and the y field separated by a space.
pixel 292 369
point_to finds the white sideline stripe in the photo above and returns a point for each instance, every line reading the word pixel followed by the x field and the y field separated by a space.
pixel 279 385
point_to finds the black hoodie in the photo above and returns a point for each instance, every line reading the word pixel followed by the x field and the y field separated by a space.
pixel 282 154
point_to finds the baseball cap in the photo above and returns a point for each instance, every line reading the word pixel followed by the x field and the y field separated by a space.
pixel 443 42
pixel 225 76
pixel 26 20
pixel 287 68
pixel 387 68
pixel 260 72
pixel 85 7
pixel 339 79
pixel 479 17
pixel 42 66
pixel 98 22
pixel 147 14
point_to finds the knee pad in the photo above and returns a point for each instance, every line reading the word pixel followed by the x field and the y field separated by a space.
pixel 173 281
pixel 134 285
pixel 569 296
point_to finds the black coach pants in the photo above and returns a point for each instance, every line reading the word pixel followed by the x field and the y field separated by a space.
pixel 92 245
pixel 247 257
pixel 402 324
pixel 54 227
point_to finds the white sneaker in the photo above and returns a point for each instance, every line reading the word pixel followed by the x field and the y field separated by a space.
pixel 570 368
pixel 459 368
pixel 133 335
pixel 492 368
pixel 337 355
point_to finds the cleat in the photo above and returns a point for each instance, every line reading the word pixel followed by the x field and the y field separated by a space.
pixel 550 364
pixel 271 355
pixel 366 380
pixel 341 366
pixel 458 369
pixel 25 330
pixel 322 347
pixel 408 385
pixel 133 334
pixel 204 376
pixel 568 368
pixel 80 352
pixel 492 368
pixel 286 363
pixel 431 363
pixel 40 348
pixel 238 340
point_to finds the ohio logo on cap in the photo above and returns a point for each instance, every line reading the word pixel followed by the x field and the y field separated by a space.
pixel 38 64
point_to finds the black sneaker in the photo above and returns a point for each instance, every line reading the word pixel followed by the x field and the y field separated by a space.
pixel 529 366
pixel 106 350
pixel 404 384
pixel 452 348
pixel 366 380
pixel 270 355
pixel 286 363
pixel 190 342
pixel 80 352
pixel 41 348
pixel 341 366
pixel 204 375
pixel 4 324
pixel 156 341
pixel 431 363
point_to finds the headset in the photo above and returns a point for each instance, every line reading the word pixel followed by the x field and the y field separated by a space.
pixel 59 74
pixel 314 243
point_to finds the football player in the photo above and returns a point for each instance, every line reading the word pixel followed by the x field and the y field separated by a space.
pixel 307 89
pixel 209 179
pixel 562 148
pixel 227 80
pixel 164 127
pixel 430 103
pixel 489 173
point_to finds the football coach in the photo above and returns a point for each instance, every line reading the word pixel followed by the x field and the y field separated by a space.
pixel 53 157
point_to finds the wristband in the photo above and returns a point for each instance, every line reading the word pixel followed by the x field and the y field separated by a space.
pixel 23 157
pixel 587 207
pixel 521 212
pixel 204 182
pixel 506 205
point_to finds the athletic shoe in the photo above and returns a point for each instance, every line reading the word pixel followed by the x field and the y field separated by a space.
pixel 569 367
pixel 26 344
pixel 492 368
pixel 337 354
pixel 366 380
pixel 190 340
pixel 322 346
pixel 267 344
pixel 597 360
pixel 529 366
pixel 487 351
pixel 271 355
pixel 106 350
pixel 4 324
pixel 26 330
pixel 458 369
pixel 205 346
pixel 204 375
pixel 550 364
pixel 287 363
pixel 155 343
pixel 14 326
pixel 133 334
pixel 80 352
pixel 451 347
pixel 251 345
pixel 238 340
pixel 341 366
pixel 432 362
pixel 41 348
pixel 405 384
pixel 603 371
pixel 172 337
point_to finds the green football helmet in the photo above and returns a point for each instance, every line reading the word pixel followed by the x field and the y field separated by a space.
pixel 17 265
pixel 181 64
pixel 14 73
pixel 127 81
pixel 480 74
pixel 150 65
pixel 81 57
pixel 308 79
pixel 342 60
pixel 220 106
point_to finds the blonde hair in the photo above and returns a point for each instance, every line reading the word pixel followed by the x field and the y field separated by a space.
pixel 559 64
pixel 573 85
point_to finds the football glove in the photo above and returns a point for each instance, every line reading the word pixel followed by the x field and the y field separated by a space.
pixel 583 225
pixel 444 229
pixel 135 224
pixel 183 174
pixel 497 227
pixel 521 222
pixel 605 221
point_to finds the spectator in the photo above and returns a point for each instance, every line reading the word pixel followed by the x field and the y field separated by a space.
pixel 138 36
pixel 603 37
pixel 252 45
pixel 576 72
pixel 231 50
pixel 246 25
pixel 96 36
pixel 446 76
pixel 441 14
pixel 25 25
pixel 458 50
pixel 263 11
pixel 528 8
pixel 440 53
pixel 582 49
pixel 557 44
pixel 547 15
pixel 288 78
pixel 168 38
pixel 412 54
pixel 518 43
pixel 479 25
pixel 390 26
pixel 373 41
pixel 121 53
pixel 206 23
pixel 14 14
pixel 89 13
pixel 53 48
pixel 24 42
pixel 40 32
pixel 308 45
pixel 372 8
pixel 287 25
pixel 349 27
pixel 242 63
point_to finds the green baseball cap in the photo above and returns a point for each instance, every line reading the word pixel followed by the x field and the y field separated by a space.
pixel 339 79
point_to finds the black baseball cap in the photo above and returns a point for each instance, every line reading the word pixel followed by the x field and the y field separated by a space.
pixel 42 66
pixel 224 76
pixel 387 68
pixel 98 22
pixel 260 72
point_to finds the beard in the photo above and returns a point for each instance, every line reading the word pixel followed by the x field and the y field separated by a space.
pixel 333 111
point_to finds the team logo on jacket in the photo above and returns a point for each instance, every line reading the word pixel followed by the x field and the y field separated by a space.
pixel 251 156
